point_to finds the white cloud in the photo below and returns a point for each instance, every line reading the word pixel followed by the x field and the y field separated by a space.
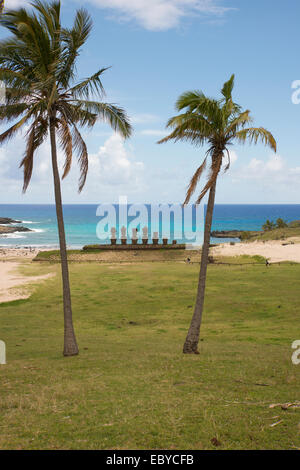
pixel 144 118
pixel 233 156
pixel 275 170
pixel 10 4
pixel 153 15
pixel 113 164
pixel 158 15
pixel 113 170
pixel 153 132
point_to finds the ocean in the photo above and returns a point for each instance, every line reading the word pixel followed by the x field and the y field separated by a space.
pixel 81 222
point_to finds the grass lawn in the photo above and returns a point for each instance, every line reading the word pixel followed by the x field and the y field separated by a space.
pixel 131 387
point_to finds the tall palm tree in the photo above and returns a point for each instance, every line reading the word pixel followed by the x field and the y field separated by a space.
pixel 217 123
pixel 38 67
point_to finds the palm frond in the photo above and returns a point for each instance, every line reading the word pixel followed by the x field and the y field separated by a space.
pixel 190 100
pixel 36 136
pixel 66 144
pixel 214 171
pixel 196 102
pixel 238 122
pixel 72 41
pixel 189 127
pixel 12 112
pixel 227 88
pixel 27 162
pixel 89 86
pixel 82 154
pixel 256 134
pixel 113 115
pixel 76 113
pixel 9 133
pixel 194 181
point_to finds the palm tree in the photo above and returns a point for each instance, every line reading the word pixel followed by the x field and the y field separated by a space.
pixel 269 225
pixel 217 123
pixel 38 66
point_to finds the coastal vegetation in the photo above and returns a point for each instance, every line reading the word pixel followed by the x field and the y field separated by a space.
pixel 270 231
pixel 38 66
pixel 270 225
pixel 216 124
pixel 130 388
pixel 275 232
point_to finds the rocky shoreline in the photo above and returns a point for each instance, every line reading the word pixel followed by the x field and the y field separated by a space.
pixel 232 233
pixel 7 227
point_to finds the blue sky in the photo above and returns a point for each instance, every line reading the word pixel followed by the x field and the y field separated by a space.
pixel 159 49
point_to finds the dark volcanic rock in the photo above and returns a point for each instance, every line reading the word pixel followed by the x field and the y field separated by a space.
pixel 7 220
pixel 227 233
pixel 10 229
pixel 241 234
pixel 6 227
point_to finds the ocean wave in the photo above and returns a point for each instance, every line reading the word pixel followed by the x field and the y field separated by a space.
pixel 12 235
pixel 29 222
pixel 38 230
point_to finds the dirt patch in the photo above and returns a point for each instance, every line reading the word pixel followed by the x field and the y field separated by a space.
pixel 12 283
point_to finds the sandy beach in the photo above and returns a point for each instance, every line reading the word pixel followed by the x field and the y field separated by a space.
pixel 18 253
pixel 274 251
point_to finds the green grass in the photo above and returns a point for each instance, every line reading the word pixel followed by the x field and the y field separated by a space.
pixel 243 259
pixel 276 234
pixel 131 387
pixel 121 256
pixel 54 255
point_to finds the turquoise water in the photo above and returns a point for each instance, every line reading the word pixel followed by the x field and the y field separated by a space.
pixel 81 222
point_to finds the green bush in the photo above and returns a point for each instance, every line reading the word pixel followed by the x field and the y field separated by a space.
pixel 245 235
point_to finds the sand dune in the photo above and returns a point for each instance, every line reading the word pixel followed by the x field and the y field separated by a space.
pixel 274 251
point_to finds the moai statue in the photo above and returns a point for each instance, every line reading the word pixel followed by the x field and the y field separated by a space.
pixel 2 352
pixel 155 238
pixel 123 235
pixel 134 237
pixel 113 235
pixel 145 235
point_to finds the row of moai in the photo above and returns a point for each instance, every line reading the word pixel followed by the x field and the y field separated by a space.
pixel 134 237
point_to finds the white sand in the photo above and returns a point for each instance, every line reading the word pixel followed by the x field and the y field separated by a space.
pixel 274 251
pixel 13 253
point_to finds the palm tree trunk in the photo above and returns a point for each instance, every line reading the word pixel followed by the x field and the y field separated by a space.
pixel 192 339
pixel 70 344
